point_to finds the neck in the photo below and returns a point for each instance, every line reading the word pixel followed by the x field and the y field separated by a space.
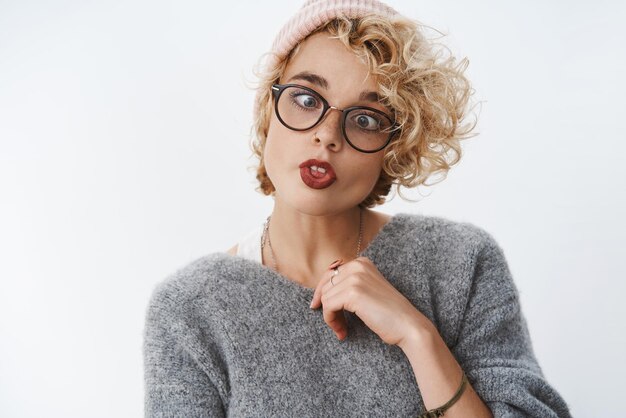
pixel 305 245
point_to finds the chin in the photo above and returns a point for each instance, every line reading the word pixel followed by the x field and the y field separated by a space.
pixel 294 193
pixel 314 203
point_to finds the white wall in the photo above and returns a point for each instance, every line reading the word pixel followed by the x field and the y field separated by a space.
pixel 124 130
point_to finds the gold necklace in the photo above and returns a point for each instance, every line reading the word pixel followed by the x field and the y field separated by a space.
pixel 266 236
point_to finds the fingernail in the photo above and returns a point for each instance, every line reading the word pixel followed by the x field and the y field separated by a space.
pixel 311 305
pixel 335 264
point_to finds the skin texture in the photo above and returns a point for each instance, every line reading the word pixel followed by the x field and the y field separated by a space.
pixel 360 288
pixel 378 221
pixel 310 228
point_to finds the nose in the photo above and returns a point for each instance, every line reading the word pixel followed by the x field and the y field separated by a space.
pixel 329 129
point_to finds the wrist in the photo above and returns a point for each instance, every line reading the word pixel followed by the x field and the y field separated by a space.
pixel 419 331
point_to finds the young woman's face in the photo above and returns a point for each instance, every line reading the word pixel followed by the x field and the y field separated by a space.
pixel 356 172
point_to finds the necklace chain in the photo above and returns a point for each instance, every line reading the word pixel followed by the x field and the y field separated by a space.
pixel 266 236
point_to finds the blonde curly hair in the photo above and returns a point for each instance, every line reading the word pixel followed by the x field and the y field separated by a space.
pixel 428 93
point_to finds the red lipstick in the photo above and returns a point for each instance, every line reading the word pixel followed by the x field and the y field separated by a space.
pixel 315 178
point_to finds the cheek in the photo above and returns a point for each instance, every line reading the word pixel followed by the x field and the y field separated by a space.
pixel 375 165
pixel 373 176
pixel 272 144
pixel 374 173
pixel 276 152
pixel 284 145
pixel 366 173
pixel 269 155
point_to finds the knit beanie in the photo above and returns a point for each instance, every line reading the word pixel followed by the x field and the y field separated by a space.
pixel 312 15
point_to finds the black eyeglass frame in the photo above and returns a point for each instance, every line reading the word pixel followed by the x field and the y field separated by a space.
pixel 277 91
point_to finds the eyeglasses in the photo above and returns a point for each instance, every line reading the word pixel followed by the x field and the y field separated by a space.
pixel 300 108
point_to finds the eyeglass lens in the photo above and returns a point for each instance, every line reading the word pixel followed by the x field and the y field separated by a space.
pixel 365 129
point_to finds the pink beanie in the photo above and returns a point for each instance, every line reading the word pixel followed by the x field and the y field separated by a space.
pixel 313 14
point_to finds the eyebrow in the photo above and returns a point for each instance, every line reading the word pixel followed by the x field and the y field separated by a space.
pixel 318 80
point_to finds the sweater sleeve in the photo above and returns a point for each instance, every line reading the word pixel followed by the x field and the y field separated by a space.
pixel 175 385
pixel 494 346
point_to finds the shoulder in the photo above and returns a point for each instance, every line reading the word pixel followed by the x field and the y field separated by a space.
pixel 445 234
pixel 466 257
pixel 232 250
pixel 189 282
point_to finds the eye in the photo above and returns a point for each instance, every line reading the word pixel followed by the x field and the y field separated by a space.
pixel 304 99
pixel 367 121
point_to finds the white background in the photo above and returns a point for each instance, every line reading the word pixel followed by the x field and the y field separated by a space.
pixel 124 130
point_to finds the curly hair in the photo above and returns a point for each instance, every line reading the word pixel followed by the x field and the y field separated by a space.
pixel 428 92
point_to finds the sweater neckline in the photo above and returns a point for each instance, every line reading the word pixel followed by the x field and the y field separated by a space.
pixel 307 292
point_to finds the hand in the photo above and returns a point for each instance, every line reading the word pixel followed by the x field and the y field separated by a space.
pixel 360 288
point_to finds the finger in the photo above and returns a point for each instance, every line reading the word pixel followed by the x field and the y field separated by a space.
pixel 334 315
pixel 329 282
pixel 335 263
pixel 316 300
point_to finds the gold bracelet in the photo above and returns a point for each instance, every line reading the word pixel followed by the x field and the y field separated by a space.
pixel 437 412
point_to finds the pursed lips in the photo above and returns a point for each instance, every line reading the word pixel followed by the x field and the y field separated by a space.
pixel 324 165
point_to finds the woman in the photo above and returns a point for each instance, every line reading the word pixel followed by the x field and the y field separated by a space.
pixel 331 308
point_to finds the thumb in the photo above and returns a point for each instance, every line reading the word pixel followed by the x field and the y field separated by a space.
pixel 316 300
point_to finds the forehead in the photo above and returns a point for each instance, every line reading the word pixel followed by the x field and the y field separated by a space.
pixel 342 70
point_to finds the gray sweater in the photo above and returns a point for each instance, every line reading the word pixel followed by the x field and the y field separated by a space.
pixel 227 336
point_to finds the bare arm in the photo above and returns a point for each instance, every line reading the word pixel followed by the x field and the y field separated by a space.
pixel 438 374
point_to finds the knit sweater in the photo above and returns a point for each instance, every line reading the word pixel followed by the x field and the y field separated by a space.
pixel 228 336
